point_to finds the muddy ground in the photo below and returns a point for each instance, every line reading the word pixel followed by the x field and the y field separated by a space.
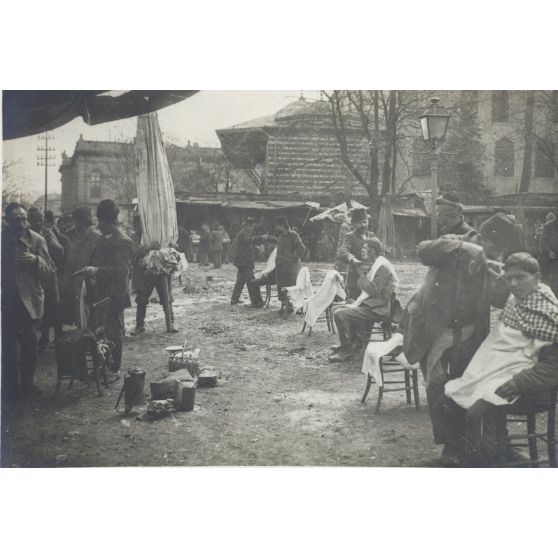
pixel 278 402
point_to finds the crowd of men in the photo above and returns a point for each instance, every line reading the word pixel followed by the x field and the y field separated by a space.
pixel 475 373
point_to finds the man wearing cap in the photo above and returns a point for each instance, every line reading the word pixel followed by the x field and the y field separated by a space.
pixel 355 321
pixel 449 316
pixel 450 216
pixel 244 260
pixel 351 251
pixel 108 275
pixel 290 250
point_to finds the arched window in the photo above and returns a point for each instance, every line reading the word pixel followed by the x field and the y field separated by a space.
pixel 504 158
pixel 500 106
pixel 95 189
pixel 543 164
pixel 421 158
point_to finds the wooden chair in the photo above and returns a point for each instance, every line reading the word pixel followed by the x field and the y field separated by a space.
pixel 406 377
pixel 532 435
pixel 327 317
pixel 384 328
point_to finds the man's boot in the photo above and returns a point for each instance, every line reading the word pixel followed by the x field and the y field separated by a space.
pixel 141 311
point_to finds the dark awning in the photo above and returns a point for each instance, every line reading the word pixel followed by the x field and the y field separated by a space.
pixel 26 113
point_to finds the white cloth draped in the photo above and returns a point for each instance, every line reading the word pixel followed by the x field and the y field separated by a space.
pixel 269 265
pixel 155 191
pixel 331 287
pixel 302 290
pixel 503 354
pixel 378 349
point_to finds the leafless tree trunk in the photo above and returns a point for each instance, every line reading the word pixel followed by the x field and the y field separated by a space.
pixel 528 143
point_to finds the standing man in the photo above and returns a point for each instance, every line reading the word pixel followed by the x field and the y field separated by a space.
pixel 108 275
pixel 52 316
pixel 244 260
pixel 226 244
pixel 549 252
pixel 203 249
pixel 351 250
pixel 450 216
pixel 216 246
pixel 85 236
pixel 290 250
pixel 449 316
pixel 25 265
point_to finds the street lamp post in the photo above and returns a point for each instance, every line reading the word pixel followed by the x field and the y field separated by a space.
pixel 434 124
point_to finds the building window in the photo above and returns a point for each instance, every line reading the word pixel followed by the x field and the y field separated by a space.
pixel 421 158
pixel 504 158
pixel 95 190
pixel 543 164
pixel 500 106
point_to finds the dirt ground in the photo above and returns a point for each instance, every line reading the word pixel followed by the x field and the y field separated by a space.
pixel 278 402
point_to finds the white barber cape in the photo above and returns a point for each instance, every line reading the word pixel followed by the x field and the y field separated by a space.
pixel 329 289
pixel 269 265
pixel 302 290
pixel 378 262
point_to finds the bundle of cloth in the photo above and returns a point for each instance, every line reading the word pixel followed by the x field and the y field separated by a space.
pixel 166 261
pixel 331 287
pixel 302 290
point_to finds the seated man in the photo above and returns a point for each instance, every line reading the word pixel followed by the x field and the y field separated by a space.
pixel 514 367
pixel 356 320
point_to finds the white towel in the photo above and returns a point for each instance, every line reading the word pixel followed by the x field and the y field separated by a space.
pixel 302 290
pixel 379 262
pixel 376 350
pixel 329 289
pixel 269 265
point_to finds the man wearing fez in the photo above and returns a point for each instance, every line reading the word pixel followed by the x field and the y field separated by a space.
pixel 450 216
pixel 108 275
pixel 449 316
pixel 351 251
pixel 25 265
pixel 244 260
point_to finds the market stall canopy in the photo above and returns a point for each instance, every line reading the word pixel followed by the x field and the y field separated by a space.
pixel 276 205
pixel 333 212
pixel 26 113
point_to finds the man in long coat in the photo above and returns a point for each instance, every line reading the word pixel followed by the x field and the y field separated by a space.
pixel 26 264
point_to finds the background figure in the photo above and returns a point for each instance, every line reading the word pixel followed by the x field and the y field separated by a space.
pixel 185 243
pixel 450 216
pixel 216 246
pixel 26 264
pixel 244 260
pixel 52 315
pixel 203 249
pixel 290 251
pixel 108 275
pixel 226 245
pixel 85 236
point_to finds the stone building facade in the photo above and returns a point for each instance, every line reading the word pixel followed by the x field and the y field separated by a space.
pixel 107 169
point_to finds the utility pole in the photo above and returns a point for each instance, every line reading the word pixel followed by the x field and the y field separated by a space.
pixel 45 159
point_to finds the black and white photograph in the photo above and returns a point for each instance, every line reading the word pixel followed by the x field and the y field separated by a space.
pixel 354 278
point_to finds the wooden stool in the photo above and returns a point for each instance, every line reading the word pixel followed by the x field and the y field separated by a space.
pixel 328 319
pixel 532 436
pixel 408 378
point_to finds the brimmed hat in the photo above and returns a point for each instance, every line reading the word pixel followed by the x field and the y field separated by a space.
pixel 358 214
pixel 450 200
